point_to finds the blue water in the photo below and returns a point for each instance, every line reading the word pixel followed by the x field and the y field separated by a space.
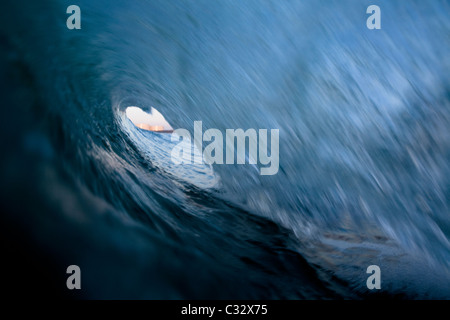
pixel 364 147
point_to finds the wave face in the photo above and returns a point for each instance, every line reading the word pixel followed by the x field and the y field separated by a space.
pixel 364 148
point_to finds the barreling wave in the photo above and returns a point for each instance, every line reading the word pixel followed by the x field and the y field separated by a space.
pixel 364 146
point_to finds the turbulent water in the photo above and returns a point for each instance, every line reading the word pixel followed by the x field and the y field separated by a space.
pixel 364 118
